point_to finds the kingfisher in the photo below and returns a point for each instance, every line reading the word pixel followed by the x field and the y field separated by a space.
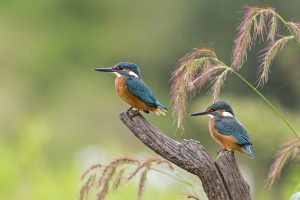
pixel 132 89
pixel 226 129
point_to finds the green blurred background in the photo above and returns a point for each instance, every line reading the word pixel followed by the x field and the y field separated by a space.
pixel 58 116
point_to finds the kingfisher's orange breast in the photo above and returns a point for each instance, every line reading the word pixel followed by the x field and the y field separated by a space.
pixel 132 100
pixel 225 141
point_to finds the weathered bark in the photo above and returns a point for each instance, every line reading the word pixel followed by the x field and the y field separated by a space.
pixel 221 179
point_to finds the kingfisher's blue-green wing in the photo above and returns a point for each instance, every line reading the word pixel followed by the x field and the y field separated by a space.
pixel 232 127
pixel 138 88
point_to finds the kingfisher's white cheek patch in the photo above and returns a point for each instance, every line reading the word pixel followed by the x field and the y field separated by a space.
pixel 133 74
pixel 211 116
pixel 227 114
pixel 117 74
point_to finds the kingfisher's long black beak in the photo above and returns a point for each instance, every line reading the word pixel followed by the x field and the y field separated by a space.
pixel 200 113
pixel 108 69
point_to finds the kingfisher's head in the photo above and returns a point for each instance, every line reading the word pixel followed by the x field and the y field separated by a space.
pixel 122 68
pixel 221 108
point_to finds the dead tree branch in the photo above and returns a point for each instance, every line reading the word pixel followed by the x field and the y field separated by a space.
pixel 221 179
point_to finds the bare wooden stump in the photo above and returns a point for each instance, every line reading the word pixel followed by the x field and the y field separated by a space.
pixel 221 179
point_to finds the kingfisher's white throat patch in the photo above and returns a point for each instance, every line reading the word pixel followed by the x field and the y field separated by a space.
pixel 117 74
pixel 133 74
pixel 227 114
pixel 211 116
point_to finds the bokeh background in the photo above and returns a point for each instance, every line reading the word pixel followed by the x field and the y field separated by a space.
pixel 58 116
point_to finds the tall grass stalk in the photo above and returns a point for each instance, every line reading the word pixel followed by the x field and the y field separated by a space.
pixel 289 28
pixel 284 119
pixel 266 100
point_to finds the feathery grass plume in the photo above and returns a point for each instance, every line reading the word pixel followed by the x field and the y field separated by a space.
pixel 295 27
pixel 273 27
pixel 142 183
pixel 86 187
pixel 194 70
pixel 182 77
pixel 108 174
pixel 290 150
pixel 253 26
pixel 105 181
pixel 268 56
pixel 148 163
pixel 89 183
pixel 92 168
pixel 145 167
pixel 118 179
pixel 259 26
pixel 103 178
pixel 109 169
pixel 217 84
pixel 101 181
pixel 186 60
pixel 207 73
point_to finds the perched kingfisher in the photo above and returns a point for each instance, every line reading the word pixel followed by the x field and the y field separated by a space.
pixel 132 89
pixel 227 130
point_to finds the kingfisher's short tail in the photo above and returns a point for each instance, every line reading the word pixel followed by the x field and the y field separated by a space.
pixel 161 109
pixel 248 151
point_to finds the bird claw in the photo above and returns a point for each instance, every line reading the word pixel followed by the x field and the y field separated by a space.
pixel 222 150
pixel 132 113
pixel 129 109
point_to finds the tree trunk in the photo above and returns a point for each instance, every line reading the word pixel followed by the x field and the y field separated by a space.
pixel 221 179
